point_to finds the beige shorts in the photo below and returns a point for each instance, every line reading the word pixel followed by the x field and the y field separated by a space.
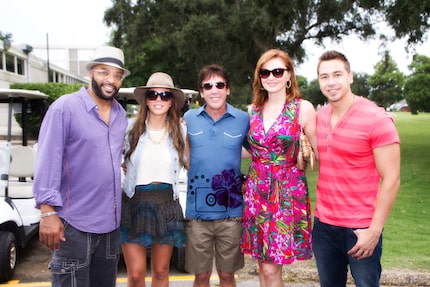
pixel 203 237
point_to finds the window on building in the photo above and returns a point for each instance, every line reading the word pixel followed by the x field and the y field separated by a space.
pixel 10 63
pixel 1 61
pixel 14 64
pixel 20 66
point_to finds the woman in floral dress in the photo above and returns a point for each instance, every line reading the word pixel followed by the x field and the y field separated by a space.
pixel 277 217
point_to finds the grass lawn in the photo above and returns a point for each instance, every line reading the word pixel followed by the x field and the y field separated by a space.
pixel 406 238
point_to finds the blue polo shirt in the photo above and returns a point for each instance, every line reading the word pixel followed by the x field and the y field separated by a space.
pixel 214 176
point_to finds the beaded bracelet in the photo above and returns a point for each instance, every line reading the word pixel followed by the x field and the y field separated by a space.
pixel 48 214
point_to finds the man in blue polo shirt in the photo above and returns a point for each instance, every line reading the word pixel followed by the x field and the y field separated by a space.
pixel 216 133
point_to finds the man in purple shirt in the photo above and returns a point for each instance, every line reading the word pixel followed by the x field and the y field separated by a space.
pixel 78 176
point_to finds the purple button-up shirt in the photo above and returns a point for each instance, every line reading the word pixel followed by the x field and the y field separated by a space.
pixel 78 167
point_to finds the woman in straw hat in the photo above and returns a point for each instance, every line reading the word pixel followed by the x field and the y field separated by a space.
pixel 154 153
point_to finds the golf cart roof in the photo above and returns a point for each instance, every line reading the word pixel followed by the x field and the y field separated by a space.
pixel 10 97
pixel 6 94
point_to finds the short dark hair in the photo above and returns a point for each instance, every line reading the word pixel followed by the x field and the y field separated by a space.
pixel 334 55
pixel 210 70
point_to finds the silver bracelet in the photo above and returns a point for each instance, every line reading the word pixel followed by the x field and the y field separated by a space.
pixel 48 214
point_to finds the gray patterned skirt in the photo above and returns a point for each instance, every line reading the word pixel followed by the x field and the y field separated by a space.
pixel 151 216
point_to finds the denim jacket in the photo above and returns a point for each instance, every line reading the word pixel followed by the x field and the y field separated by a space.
pixel 129 182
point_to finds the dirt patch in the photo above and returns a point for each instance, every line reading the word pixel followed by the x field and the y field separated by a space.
pixel 33 264
pixel 306 271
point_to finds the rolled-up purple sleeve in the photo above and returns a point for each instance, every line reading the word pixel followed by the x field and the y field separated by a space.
pixel 49 160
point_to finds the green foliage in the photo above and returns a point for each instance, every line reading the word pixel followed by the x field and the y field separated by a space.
pixel 387 82
pixel 180 37
pixel 313 93
pixel 54 91
pixel 360 86
pixel 409 19
pixel 417 86
pixel 420 64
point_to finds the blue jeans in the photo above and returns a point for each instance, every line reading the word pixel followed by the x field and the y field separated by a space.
pixel 85 259
pixel 330 246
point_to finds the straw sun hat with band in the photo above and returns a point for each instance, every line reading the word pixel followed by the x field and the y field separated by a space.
pixel 110 56
pixel 159 80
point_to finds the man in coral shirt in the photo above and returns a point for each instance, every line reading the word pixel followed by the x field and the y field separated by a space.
pixel 359 176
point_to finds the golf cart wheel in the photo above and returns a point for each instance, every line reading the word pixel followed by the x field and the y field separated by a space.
pixel 7 255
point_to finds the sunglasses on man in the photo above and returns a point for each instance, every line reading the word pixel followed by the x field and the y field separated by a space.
pixel 218 85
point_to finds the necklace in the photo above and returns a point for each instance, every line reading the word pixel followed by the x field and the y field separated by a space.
pixel 337 117
pixel 157 136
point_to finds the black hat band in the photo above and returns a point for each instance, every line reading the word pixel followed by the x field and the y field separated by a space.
pixel 110 60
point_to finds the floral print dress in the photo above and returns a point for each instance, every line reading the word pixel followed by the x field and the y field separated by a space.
pixel 276 216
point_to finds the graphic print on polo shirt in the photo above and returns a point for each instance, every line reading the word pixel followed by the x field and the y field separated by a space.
pixel 218 193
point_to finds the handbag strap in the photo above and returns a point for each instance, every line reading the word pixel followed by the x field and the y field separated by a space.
pixel 300 117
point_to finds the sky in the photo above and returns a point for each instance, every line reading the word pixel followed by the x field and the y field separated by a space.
pixel 80 23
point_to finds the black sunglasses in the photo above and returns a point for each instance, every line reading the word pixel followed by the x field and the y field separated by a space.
pixel 218 85
pixel 164 96
pixel 277 73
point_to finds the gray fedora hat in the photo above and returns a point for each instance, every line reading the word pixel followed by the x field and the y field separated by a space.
pixel 110 56
pixel 159 80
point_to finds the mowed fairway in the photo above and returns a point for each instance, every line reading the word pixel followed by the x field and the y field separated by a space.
pixel 406 239
pixel 407 232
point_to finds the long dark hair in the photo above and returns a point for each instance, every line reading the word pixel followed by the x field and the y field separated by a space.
pixel 174 124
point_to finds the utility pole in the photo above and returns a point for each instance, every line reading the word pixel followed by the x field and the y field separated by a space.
pixel 47 57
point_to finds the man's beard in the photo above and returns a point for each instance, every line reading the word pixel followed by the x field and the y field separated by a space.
pixel 99 93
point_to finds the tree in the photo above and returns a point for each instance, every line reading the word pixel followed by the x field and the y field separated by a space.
pixel 312 93
pixel 360 86
pixel 179 37
pixel 387 82
pixel 409 19
pixel 417 86
pixel 6 39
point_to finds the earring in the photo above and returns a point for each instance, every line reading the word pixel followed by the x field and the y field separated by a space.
pixel 288 85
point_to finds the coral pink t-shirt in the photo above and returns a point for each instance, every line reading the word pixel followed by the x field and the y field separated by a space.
pixel 348 181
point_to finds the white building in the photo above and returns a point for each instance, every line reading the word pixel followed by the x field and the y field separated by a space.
pixel 26 64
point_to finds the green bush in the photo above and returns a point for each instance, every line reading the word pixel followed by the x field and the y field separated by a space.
pixel 37 110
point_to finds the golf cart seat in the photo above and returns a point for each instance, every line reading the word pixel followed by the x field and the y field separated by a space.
pixel 21 171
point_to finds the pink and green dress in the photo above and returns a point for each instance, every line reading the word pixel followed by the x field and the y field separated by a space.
pixel 276 216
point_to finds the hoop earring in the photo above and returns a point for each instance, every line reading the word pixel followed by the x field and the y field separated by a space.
pixel 288 85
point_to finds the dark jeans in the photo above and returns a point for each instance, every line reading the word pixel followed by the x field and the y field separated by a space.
pixel 330 246
pixel 85 259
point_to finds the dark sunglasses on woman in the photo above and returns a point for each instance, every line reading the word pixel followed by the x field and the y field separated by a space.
pixel 164 96
pixel 277 73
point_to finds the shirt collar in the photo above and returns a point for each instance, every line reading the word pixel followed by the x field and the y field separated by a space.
pixel 90 103
pixel 230 111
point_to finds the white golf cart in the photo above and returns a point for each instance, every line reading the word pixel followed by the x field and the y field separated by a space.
pixel 126 98
pixel 19 219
